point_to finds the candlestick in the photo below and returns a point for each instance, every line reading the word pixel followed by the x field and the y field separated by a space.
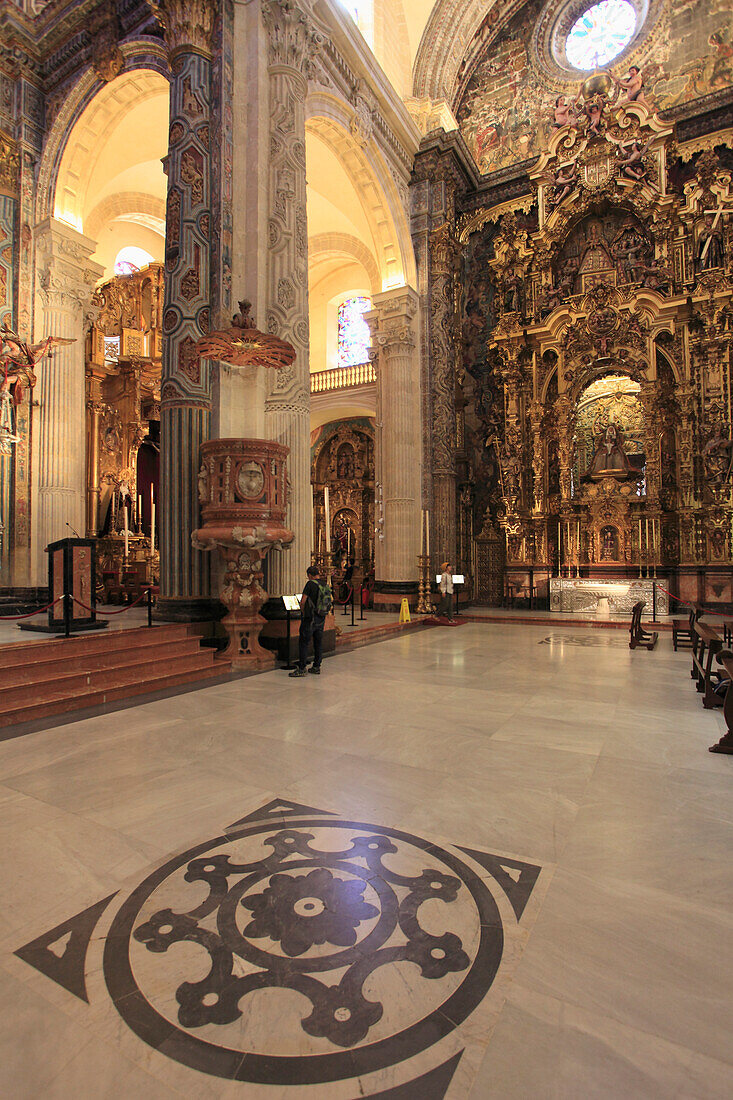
pixel 327 514
pixel 126 531
pixel 152 522
pixel 427 533
pixel 559 548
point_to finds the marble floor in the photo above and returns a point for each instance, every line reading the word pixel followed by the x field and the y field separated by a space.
pixel 488 861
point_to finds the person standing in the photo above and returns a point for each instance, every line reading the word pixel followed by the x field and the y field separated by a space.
pixel 446 592
pixel 315 604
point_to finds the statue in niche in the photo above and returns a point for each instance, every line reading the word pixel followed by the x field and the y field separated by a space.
pixel 345 463
pixel 566 180
pixel 710 251
pixel 716 457
pixel 609 457
pixel 632 165
pixel 513 293
pixel 628 248
pixel 563 113
pixel 595 255
pixel 609 543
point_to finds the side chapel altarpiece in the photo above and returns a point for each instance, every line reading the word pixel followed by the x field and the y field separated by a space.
pixel 593 322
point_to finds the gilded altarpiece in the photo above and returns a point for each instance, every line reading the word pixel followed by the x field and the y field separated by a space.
pixel 123 378
pixel 596 322
pixel 343 461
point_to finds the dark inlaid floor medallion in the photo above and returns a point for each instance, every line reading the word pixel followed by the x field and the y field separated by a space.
pixel 299 948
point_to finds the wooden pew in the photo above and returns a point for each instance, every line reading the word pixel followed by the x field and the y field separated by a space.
pixel 725 745
pixel 709 644
pixel 683 630
pixel 638 637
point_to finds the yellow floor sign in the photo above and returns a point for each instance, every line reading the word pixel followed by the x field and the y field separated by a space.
pixel 405 611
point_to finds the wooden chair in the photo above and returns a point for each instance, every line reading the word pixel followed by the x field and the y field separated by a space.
pixel 683 630
pixel 725 745
pixel 638 637
pixel 706 677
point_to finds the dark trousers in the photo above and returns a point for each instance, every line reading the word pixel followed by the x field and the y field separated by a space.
pixel 445 607
pixel 310 629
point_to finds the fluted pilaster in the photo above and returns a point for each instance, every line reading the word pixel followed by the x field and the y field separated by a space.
pixel 66 279
pixel 393 326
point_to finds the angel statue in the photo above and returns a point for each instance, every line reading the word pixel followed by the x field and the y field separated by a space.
pixel 632 165
pixel 17 362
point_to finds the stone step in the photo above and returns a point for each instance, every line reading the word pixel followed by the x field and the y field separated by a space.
pixel 80 683
pixel 64 703
pixel 20 653
pixel 60 667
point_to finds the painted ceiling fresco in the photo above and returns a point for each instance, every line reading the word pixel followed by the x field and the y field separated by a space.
pixel 505 113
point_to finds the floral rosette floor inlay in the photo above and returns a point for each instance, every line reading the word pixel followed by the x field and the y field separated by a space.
pixel 299 948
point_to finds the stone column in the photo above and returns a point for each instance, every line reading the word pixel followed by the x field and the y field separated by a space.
pixel 393 326
pixel 185 407
pixel 66 279
pixel 293 42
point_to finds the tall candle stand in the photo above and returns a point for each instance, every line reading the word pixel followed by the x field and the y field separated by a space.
pixel 424 603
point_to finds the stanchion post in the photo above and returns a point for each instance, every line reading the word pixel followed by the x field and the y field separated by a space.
pixel 67 615
pixel 150 607
pixel 362 616
pixel 352 604
pixel 654 601
pixel 288 664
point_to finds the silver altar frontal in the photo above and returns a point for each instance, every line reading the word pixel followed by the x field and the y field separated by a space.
pixel 604 596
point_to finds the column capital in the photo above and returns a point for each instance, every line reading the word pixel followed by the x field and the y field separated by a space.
pixel 66 273
pixel 187 24
pixel 392 320
pixel 294 36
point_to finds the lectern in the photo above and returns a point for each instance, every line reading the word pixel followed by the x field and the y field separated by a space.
pixel 72 570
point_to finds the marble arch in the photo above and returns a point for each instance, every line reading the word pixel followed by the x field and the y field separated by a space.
pixel 330 120
pixel 135 205
pixel 347 247
pixel 447 44
pixel 143 57
pixel 94 131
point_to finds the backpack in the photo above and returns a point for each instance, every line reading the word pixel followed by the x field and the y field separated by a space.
pixel 324 603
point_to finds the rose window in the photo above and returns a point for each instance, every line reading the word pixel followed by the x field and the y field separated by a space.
pixel 600 34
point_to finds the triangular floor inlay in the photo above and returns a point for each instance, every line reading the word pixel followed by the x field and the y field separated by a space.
pixel 517 888
pixel 279 807
pixel 66 966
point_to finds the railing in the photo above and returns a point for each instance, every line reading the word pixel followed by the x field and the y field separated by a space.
pixel 342 378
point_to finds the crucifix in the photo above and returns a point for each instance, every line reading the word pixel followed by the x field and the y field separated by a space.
pixel 711 227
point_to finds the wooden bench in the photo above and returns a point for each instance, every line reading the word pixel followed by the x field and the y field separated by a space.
pixel 683 630
pixel 638 636
pixel 725 745
pixel 706 648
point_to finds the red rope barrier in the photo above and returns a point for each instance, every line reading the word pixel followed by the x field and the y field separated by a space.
pixel 692 606
pixel 342 603
pixel 121 610
pixel 30 614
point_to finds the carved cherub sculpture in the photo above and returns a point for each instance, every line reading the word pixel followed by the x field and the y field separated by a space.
pixel 632 165
pixel 633 86
pixel 563 113
pixel 566 180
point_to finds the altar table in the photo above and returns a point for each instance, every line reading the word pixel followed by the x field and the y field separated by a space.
pixel 583 594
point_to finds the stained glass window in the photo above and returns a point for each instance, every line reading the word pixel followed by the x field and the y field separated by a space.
pixel 354 339
pixel 600 34
pixel 130 259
